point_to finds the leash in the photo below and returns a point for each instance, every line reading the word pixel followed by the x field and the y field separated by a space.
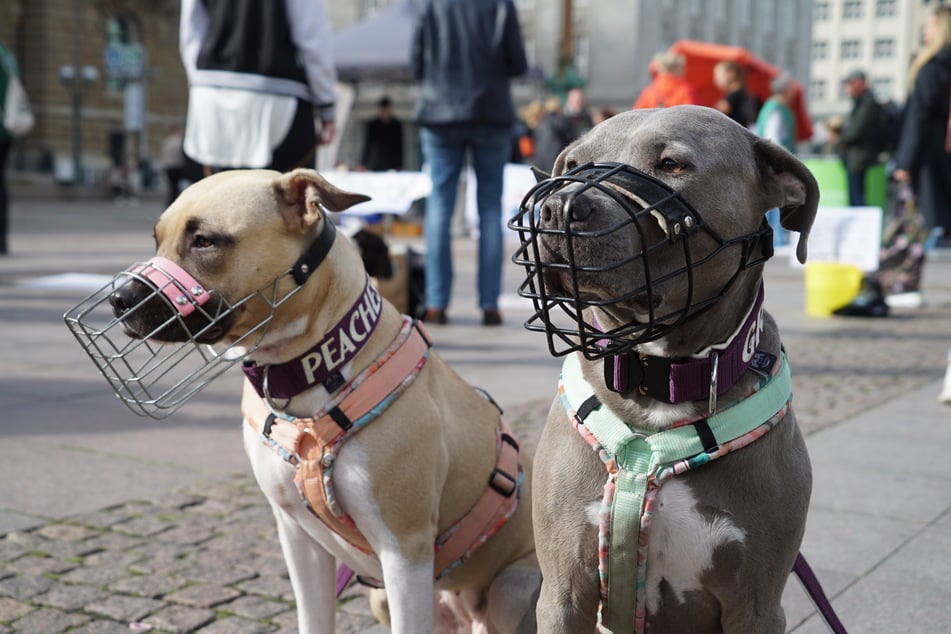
pixel 639 463
pixel 817 595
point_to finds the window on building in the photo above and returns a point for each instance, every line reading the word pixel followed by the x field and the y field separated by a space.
pixel 851 49
pixel 852 9
pixel 817 89
pixel 820 49
pixel 885 8
pixel 821 11
pixel 372 6
pixel 121 52
pixel 882 87
pixel 884 47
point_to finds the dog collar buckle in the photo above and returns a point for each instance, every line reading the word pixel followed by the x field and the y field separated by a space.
pixel 631 370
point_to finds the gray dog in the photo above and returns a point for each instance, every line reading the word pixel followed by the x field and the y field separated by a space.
pixel 645 253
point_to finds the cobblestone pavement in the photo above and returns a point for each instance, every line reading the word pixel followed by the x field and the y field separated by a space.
pixel 206 559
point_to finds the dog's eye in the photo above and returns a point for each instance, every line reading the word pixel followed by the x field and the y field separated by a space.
pixel 203 242
pixel 671 166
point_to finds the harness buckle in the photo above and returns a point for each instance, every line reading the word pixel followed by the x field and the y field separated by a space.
pixel 714 375
pixel 502 483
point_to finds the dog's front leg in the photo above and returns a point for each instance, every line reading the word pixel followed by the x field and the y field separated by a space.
pixel 409 590
pixel 311 569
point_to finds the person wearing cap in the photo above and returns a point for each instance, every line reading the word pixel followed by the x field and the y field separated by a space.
pixel 383 144
pixel 860 137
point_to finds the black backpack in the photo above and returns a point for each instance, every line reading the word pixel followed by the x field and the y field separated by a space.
pixel 890 115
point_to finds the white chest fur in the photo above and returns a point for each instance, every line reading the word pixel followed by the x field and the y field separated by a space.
pixel 276 479
pixel 682 542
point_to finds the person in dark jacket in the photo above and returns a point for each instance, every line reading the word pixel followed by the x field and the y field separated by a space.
pixel 383 145
pixel 861 136
pixel 922 156
pixel 552 134
pixel 465 52
pixel 258 72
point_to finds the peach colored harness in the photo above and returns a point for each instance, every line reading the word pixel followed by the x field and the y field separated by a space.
pixel 312 445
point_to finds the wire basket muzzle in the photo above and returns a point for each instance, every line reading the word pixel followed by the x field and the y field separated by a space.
pixel 160 350
pixel 609 237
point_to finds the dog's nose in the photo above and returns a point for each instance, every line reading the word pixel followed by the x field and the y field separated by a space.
pixel 125 298
pixel 572 208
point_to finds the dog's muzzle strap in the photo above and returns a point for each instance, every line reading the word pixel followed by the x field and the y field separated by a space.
pixel 182 290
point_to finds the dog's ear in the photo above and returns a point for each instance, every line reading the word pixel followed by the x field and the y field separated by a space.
pixel 304 192
pixel 790 186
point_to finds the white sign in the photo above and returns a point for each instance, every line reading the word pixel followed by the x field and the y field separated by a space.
pixel 134 107
pixel 389 192
pixel 848 235
pixel 125 61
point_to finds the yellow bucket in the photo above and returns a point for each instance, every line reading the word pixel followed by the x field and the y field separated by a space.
pixel 830 286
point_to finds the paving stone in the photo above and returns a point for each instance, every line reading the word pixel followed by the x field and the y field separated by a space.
pixel 123 608
pixel 178 500
pixel 269 586
pixel 235 625
pixel 68 550
pixel 49 620
pixel 113 558
pixel 102 627
pixel 114 541
pixel 188 535
pixel 180 619
pixel 151 586
pixel 287 621
pixel 66 532
pixel 70 597
pixel 11 550
pixel 255 607
pixel 219 573
pixel 105 518
pixel 40 565
pixel 30 541
pixel 11 609
pixel 144 526
pixel 204 595
pixel 95 575
pixel 23 587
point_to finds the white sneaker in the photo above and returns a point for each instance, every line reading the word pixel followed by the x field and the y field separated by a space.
pixel 913 299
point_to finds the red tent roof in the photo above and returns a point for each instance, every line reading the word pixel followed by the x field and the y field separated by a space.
pixel 703 56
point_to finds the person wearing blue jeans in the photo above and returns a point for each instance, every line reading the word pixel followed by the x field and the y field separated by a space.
pixel 444 149
pixel 464 53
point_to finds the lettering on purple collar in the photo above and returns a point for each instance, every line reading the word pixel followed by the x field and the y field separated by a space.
pixel 343 342
pixel 753 336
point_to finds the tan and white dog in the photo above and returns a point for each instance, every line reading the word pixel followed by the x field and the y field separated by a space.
pixel 423 463
pixel 724 535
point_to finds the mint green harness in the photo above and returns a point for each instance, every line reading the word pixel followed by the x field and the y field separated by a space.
pixel 639 462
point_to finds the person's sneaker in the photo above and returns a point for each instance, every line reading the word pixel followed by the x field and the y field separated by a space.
pixel 912 299
pixel 491 318
pixel 435 316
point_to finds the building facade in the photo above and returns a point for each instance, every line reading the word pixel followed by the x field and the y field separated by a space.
pixel 107 84
pixel 879 37
pixel 103 77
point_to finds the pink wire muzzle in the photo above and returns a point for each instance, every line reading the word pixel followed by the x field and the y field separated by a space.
pixel 183 290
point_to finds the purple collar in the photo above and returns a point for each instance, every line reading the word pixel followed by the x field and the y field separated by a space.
pixel 684 380
pixel 321 364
